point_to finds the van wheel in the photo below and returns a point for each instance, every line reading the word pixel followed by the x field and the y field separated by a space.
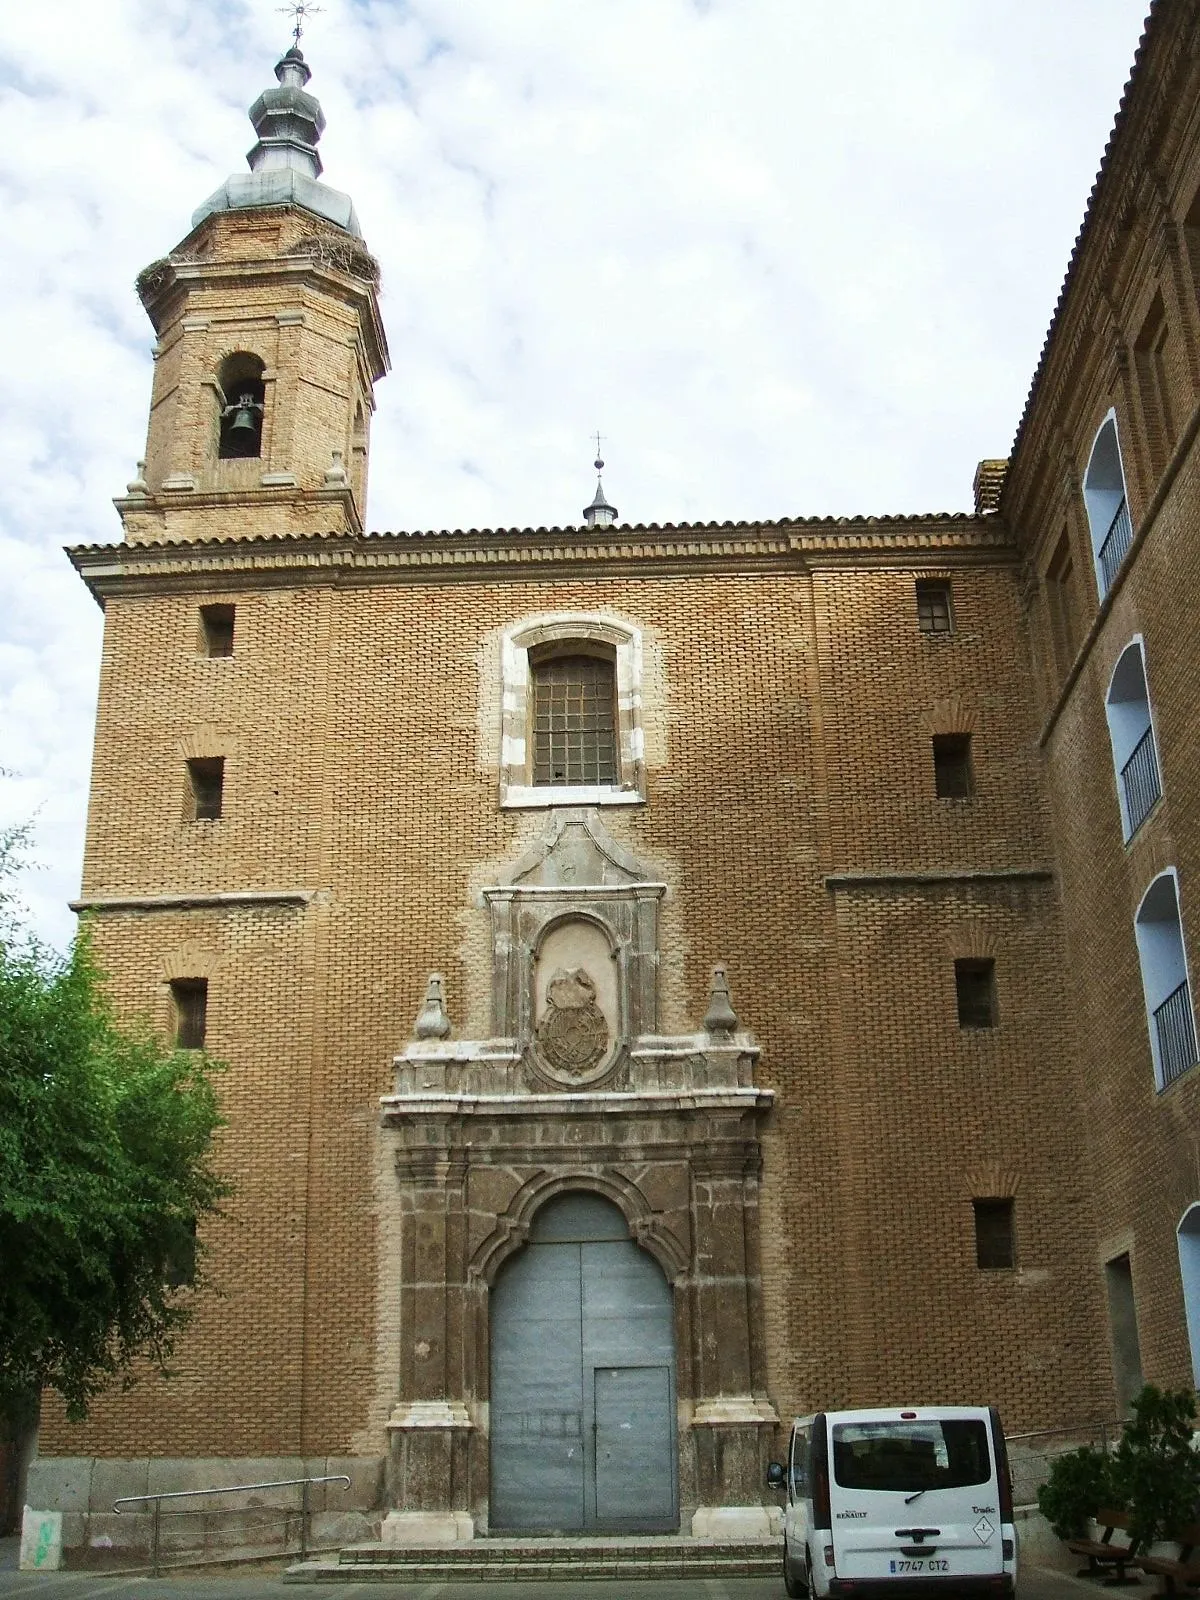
pixel 792 1586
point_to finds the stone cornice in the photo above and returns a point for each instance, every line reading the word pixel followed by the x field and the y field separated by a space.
pixel 178 275
pixel 597 1103
pixel 682 549
pixel 235 502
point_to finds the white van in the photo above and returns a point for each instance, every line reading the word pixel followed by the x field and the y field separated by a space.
pixel 886 1502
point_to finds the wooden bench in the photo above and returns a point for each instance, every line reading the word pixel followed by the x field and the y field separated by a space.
pixel 1107 1559
pixel 1183 1568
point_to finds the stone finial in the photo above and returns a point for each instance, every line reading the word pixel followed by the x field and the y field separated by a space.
pixel 720 1016
pixel 137 485
pixel 432 1021
pixel 335 473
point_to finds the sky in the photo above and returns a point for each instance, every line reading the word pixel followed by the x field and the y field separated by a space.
pixel 790 258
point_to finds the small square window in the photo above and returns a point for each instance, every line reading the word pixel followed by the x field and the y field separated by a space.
pixel 206 787
pixel 975 989
pixel 995 1241
pixel 952 775
pixel 933 606
pixel 180 1266
pixel 216 630
pixel 189 997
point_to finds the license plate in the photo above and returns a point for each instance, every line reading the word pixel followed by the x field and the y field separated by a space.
pixel 925 1564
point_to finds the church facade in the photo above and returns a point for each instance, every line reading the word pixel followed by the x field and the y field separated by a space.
pixel 672 977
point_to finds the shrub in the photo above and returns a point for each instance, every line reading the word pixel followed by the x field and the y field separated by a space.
pixel 1079 1483
pixel 1157 1470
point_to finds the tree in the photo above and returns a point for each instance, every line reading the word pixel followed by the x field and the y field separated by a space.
pixel 106 1167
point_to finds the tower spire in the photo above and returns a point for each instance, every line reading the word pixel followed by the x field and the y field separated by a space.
pixel 599 514
pixel 284 164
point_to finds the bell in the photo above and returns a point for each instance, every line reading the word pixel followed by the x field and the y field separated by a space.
pixel 243 426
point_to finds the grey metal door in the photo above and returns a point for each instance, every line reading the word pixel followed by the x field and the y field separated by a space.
pixel 583 1381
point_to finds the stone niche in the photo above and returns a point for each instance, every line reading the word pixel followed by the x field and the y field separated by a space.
pixel 575 1089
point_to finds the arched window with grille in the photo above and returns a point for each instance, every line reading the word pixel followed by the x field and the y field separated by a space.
pixel 1159 933
pixel 1131 731
pixel 1107 504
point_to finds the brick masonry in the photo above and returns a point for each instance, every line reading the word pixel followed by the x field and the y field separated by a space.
pixel 788 702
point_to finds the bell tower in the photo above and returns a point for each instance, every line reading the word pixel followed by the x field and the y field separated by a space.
pixel 269 344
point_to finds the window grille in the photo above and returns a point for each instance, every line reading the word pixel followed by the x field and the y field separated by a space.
pixel 1139 778
pixel 933 606
pixel 1115 546
pixel 574 720
pixel 1176 1034
pixel 995 1244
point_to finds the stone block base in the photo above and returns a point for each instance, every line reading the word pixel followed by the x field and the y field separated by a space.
pixel 41 1541
pixel 733 1522
pixel 402 1528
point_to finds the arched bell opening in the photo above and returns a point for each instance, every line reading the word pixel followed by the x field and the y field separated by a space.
pixel 244 397
pixel 582 1379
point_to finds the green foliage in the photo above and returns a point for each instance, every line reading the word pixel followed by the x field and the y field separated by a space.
pixel 1157 1469
pixel 105 1169
pixel 1079 1483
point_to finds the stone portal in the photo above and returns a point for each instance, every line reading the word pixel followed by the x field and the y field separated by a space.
pixel 577 1095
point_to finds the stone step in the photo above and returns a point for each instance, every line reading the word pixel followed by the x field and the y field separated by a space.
pixel 498 1560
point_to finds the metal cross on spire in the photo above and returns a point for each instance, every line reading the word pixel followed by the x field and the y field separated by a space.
pixel 599 463
pixel 299 11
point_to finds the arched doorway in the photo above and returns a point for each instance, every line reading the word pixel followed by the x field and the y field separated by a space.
pixel 582 1413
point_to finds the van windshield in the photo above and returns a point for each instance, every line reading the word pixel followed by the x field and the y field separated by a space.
pixel 937 1454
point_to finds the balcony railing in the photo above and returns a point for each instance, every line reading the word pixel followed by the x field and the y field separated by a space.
pixel 1176 1034
pixel 1116 544
pixel 1139 779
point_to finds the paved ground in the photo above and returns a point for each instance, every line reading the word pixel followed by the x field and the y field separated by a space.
pixel 1035 1585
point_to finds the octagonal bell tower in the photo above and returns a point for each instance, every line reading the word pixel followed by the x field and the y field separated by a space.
pixel 269 345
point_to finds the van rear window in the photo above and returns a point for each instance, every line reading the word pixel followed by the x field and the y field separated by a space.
pixel 945 1454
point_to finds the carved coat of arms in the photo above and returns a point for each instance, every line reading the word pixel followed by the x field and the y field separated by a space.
pixel 571 1031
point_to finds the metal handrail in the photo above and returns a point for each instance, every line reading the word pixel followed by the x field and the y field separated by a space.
pixel 231 1488
pixel 1115 544
pixel 1070 1427
pixel 1140 780
pixel 1176 1034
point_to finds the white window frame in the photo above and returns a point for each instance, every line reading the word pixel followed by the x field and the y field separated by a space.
pixel 1101 504
pixel 1164 962
pixel 563 629
pixel 1126 729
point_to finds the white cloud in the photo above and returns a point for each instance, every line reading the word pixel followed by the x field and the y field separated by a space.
pixel 790 258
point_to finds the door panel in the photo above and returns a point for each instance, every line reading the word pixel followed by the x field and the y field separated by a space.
pixel 537 1392
pixel 635 1481
pixel 582 1398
